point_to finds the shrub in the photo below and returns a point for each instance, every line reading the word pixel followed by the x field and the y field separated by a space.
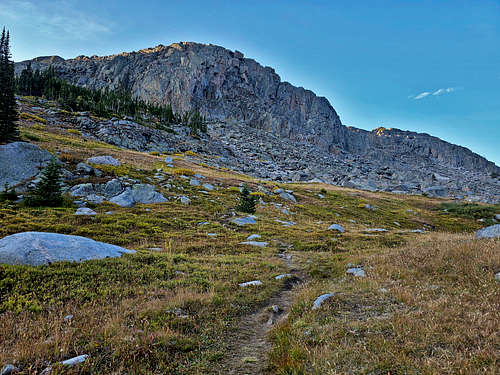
pixel 47 191
pixel 29 116
pixel 184 171
pixel 257 194
pixel 470 210
pixel 74 131
pixel 247 201
pixel 154 153
pixel 7 195
pixel 31 137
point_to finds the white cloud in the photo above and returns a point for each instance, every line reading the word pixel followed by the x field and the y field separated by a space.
pixel 59 19
pixel 437 92
pixel 443 91
pixel 422 95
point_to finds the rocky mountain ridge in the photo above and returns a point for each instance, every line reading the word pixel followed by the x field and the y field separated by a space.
pixel 302 132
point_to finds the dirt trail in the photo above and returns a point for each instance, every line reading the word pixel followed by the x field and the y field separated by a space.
pixel 250 345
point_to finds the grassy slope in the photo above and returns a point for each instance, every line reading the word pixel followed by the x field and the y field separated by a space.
pixel 438 314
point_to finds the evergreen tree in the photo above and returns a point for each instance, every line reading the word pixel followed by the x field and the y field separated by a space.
pixel 247 201
pixel 8 105
pixel 7 195
pixel 47 191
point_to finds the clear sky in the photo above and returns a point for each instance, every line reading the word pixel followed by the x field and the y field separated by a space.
pixel 430 66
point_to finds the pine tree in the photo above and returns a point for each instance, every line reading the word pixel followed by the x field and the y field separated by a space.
pixel 8 105
pixel 47 191
pixel 247 201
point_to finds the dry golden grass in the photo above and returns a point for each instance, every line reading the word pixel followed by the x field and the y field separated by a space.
pixel 437 315
pixel 429 307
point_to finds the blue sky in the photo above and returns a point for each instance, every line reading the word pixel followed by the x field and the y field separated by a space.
pixel 424 65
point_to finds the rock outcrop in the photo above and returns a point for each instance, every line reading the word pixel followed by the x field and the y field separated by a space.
pixel 269 128
pixel 36 248
pixel 21 161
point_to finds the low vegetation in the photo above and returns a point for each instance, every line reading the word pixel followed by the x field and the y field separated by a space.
pixel 429 303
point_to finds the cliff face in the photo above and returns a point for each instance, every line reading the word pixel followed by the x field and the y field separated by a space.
pixel 227 87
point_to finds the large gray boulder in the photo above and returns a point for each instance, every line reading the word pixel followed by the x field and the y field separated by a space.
pixel 145 193
pixel 125 199
pixel 489 232
pixel 20 161
pixel 106 160
pixel 37 248
pixel 81 190
pixel 140 193
pixel 112 188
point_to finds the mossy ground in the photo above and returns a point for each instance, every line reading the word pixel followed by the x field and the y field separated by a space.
pixel 175 310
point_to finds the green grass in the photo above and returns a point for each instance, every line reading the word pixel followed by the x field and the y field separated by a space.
pixel 175 310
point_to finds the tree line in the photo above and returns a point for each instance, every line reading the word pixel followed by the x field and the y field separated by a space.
pixel 8 105
pixel 105 102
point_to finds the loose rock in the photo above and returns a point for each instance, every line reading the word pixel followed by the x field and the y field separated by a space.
pixel 319 301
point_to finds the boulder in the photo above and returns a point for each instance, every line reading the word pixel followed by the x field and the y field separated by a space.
pixel 253 237
pixel 208 186
pixel 489 232
pixel 125 199
pixel 9 369
pixel 194 182
pixel 85 211
pixel 139 193
pixel 83 168
pixel 112 188
pixel 251 283
pixel 21 161
pixel 336 227
pixel 106 160
pixel 241 221
pixel 254 243
pixel 146 194
pixel 288 197
pixel 81 190
pixel 37 248
pixel 356 271
pixel 185 200
pixel 319 301
pixel 283 276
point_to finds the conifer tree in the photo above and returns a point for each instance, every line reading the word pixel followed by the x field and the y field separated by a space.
pixel 47 191
pixel 8 105
pixel 247 201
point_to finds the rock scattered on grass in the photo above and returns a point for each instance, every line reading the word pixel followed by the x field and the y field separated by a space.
pixel 106 160
pixel 251 283
pixel 85 211
pixel 255 243
pixel 253 237
pixel 319 301
pixel 356 271
pixel 194 182
pixel 9 369
pixel 185 200
pixel 380 230
pixel 241 221
pixel 489 232
pixel 283 276
pixel 336 227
